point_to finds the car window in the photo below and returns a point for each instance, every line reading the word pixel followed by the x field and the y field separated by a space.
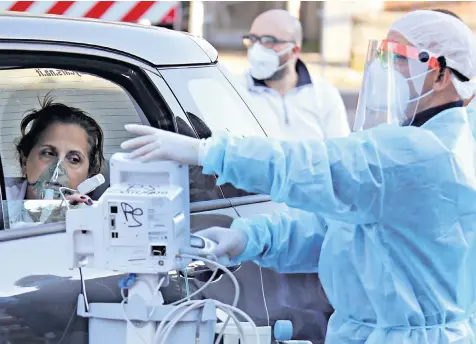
pixel 212 104
pixel 62 144
pixel 62 147
pixel 206 93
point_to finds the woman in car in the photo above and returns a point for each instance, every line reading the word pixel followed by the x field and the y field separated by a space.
pixel 60 147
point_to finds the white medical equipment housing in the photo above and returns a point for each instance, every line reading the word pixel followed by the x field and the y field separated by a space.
pixel 140 222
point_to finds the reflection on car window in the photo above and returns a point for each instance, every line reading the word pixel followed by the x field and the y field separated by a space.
pixel 206 93
pixel 202 187
pixel 57 129
pixel 212 104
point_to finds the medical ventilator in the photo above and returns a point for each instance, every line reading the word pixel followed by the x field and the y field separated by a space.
pixel 141 226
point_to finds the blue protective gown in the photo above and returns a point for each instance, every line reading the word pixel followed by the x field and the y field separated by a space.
pixel 394 242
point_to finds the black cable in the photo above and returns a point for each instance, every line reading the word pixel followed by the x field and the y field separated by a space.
pixel 81 276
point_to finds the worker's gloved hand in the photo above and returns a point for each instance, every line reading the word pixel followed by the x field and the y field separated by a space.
pixel 156 144
pixel 229 242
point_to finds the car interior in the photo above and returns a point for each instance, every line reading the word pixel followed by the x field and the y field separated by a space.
pixel 107 103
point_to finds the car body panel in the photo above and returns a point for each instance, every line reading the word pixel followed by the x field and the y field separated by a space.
pixel 128 39
pixel 41 290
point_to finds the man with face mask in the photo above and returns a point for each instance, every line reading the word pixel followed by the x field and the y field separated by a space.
pixel 289 103
pixel 387 215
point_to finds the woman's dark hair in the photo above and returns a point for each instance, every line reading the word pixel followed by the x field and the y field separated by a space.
pixel 36 122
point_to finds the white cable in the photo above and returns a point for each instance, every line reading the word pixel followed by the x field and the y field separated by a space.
pixel 237 293
pixel 244 315
pixel 238 324
pixel 56 172
pixel 173 317
pixel 219 266
pixel 63 196
pixel 229 310
pixel 233 279
pixel 197 304
pixel 156 293
pixel 235 301
pixel 169 315
pixel 264 296
pixel 167 329
pixel 196 291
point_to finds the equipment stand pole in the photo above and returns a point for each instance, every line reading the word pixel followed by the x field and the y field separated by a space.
pixel 145 287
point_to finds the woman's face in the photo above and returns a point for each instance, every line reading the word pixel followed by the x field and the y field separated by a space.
pixel 66 142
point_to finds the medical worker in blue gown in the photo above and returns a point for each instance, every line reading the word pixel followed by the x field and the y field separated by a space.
pixel 386 216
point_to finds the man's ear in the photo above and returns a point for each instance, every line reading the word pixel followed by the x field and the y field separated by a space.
pixel 296 51
pixel 442 81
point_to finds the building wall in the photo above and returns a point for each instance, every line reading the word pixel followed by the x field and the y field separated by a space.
pixel 227 21
pixel 455 6
pixel 310 15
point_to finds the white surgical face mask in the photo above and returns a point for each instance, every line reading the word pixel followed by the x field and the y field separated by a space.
pixel 265 62
pixel 400 99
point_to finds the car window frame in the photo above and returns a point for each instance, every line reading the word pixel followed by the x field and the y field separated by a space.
pixel 136 73
pixel 151 108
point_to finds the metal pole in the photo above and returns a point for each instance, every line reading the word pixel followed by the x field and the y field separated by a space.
pixel 196 18
pixel 177 25
pixel 294 7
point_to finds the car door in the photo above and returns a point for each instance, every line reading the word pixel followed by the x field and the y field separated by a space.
pixel 38 292
pixel 213 102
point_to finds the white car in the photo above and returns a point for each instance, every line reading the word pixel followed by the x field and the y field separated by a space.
pixel 120 74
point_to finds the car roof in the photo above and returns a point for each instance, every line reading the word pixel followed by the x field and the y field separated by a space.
pixel 157 46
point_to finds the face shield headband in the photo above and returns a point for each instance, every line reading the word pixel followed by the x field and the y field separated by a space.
pixel 394 83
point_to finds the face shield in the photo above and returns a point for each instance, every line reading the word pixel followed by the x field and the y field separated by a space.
pixel 393 84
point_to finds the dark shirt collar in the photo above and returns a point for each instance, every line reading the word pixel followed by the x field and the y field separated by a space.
pixel 424 116
pixel 304 78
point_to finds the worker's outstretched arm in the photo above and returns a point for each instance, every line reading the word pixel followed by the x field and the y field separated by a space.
pixel 348 179
pixel 342 178
pixel 287 242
